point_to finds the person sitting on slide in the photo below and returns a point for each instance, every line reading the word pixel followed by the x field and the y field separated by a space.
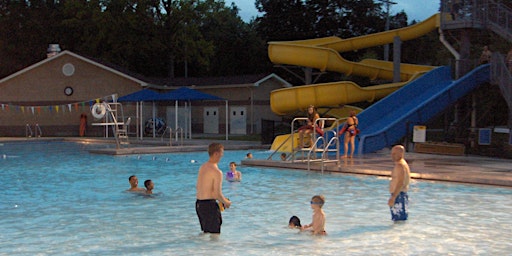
pixel 310 126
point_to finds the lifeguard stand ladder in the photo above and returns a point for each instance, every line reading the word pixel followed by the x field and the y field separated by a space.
pixel 114 117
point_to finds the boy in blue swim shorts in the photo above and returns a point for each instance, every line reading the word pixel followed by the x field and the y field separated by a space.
pixel 399 185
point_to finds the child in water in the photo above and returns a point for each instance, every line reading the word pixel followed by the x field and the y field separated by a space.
pixel 149 186
pixel 294 222
pixel 317 226
pixel 233 174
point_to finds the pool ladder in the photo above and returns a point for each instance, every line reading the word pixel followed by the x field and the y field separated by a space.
pixel 37 132
pixel 325 149
pixel 178 131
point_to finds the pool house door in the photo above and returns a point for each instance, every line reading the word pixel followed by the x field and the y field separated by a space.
pixel 238 120
pixel 211 120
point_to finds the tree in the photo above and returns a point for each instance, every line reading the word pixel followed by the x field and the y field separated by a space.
pixel 238 49
pixel 24 34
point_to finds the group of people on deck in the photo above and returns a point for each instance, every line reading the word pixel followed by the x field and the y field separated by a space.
pixel 349 130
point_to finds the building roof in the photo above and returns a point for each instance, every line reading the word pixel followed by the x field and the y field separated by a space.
pixel 217 82
pixel 64 53
pixel 163 83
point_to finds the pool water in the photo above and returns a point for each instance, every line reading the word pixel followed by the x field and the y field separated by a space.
pixel 58 199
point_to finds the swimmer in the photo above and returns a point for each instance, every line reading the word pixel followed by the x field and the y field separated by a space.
pixel 249 155
pixel 209 191
pixel 294 222
pixel 149 186
pixel 233 174
pixel 283 156
pixel 134 182
pixel 317 226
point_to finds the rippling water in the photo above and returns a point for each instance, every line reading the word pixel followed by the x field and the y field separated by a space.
pixel 60 200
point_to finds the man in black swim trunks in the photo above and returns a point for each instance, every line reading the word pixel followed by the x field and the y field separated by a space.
pixel 209 190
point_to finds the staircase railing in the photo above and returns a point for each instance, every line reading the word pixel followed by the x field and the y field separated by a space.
pixel 28 131
pixel 490 14
pixel 38 131
pixel 498 18
pixel 501 76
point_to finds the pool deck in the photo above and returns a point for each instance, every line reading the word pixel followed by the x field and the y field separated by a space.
pixel 462 169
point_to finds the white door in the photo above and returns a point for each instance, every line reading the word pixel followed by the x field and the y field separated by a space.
pixel 238 120
pixel 211 120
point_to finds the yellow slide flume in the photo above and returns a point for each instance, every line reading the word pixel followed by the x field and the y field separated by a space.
pixel 323 54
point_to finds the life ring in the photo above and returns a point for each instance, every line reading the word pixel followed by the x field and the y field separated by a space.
pixel 98 110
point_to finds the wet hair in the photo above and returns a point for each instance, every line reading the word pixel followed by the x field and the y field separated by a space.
pixel 232 163
pixel 295 221
pixel 214 147
pixel 318 199
pixel 130 178
pixel 146 183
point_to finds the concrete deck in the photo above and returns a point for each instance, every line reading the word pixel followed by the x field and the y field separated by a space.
pixel 464 169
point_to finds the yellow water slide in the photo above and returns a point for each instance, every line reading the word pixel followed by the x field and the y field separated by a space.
pixel 324 54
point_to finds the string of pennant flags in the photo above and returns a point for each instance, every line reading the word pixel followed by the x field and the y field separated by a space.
pixel 62 108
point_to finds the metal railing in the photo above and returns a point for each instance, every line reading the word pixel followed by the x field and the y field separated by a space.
pixel 322 144
pixel 178 135
pixel 28 131
pixel 489 14
pixel 501 76
pixel 36 132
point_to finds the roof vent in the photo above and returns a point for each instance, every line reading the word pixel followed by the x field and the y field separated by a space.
pixel 53 49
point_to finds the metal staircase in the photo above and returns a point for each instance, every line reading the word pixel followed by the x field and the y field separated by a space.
pixel 501 76
pixel 493 15
pixel 482 14
pixel 498 18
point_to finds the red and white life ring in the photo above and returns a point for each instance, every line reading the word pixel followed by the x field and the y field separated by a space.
pixel 98 110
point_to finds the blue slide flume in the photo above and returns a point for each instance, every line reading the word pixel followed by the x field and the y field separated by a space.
pixel 384 123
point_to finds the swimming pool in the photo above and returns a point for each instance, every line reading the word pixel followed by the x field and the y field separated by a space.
pixel 58 199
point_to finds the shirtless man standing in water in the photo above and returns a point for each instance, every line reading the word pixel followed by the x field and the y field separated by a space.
pixel 399 184
pixel 209 190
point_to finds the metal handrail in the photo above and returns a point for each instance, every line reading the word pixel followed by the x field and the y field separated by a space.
pixel 28 131
pixel 37 129
pixel 170 135
pixel 501 76
pixel 179 131
pixel 293 131
pixel 318 140
pixel 280 146
pixel 334 139
pixel 489 14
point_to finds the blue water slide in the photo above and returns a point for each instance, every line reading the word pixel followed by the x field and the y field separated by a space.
pixel 384 123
